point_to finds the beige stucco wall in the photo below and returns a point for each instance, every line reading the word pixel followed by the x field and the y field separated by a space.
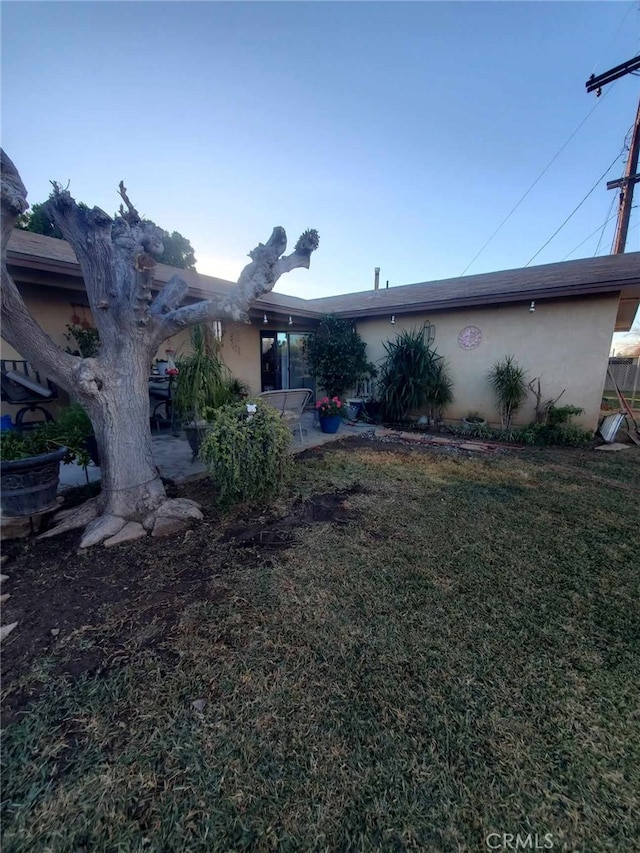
pixel 53 309
pixel 241 352
pixel 565 343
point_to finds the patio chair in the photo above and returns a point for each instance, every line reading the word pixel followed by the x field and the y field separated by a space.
pixel 290 402
pixel 22 385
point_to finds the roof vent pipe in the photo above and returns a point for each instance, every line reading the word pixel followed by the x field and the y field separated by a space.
pixel 376 279
pixel 387 284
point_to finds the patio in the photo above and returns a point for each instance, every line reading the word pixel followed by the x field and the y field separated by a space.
pixel 172 454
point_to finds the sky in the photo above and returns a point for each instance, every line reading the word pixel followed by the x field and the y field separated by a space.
pixel 404 132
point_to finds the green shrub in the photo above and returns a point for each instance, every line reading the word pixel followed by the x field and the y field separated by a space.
pixel 70 430
pixel 563 434
pixel 87 341
pixel 413 375
pixel 15 446
pixel 337 355
pixel 246 455
pixel 562 414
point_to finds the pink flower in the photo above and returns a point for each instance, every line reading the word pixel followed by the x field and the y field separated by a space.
pixel 338 403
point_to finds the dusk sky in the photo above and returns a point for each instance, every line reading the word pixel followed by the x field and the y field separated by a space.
pixel 403 132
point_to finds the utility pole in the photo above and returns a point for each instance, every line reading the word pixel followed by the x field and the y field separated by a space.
pixel 626 185
pixel 631 176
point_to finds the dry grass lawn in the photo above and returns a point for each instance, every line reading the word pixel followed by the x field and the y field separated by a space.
pixel 408 652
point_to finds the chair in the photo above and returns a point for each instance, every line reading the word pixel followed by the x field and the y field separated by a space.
pixel 21 384
pixel 161 400
pixel 290 402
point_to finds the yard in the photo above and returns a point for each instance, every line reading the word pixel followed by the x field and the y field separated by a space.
pixel 410 651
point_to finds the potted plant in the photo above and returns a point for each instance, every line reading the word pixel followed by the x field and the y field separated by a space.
pixel 329 414
pixel 474 420
pixel 74 430
pixel 337 355
pixel 30 470
pixel 203 383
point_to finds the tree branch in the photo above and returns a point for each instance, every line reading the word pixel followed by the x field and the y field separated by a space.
pixel 170 297
pixel 131 215
pixel 19 327
pixel 89 234
pixel 256 279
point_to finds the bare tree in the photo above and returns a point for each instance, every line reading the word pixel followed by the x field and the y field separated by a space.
pixel 117 259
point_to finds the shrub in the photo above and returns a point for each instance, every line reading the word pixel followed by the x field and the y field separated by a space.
pixel 562 414
pixel 71 430
pixel 508 381
pixel 413 375
pixel 245 453
pixel 86 338
pixel 337 355
pixel 563 434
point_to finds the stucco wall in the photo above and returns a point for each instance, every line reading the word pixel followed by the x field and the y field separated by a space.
pixel 241 352
pixel 53 309
pixel 565 343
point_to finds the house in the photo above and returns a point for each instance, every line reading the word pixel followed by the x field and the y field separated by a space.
pixel 557 320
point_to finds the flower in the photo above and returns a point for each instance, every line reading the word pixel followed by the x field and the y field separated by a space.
pixel 328 407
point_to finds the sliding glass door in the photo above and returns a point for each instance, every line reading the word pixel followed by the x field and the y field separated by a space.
pixel 284 362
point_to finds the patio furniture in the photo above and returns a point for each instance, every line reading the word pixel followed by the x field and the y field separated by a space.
pixel 160 400
pixel 22 385
pixel 290 402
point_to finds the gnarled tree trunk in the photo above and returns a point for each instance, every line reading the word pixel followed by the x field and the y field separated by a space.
pixel 117 262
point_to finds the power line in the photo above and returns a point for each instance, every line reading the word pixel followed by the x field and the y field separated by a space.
pixel 542 173
pixel 616 34
pixel 613 201
pixel 599 228
pixel 575 209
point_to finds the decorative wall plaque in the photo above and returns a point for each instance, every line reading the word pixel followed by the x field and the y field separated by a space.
pixel 470 338
pixel 234 340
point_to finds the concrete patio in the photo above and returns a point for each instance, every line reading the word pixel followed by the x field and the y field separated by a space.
pixel 172 454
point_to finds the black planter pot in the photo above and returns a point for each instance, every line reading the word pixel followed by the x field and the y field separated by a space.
pixel 92 449
pixel 30 485
pixel 195 436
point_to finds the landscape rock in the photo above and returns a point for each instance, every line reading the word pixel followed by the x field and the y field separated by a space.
pixel 180 508
pixel 4 578
pixel 72 518
pixel 5 597
pixel 4 559
pixel 6 630
pixel 613 447
pixel 101 528
pixel 165 525
pixel 55 631
pixel 198 704
pixel 129 533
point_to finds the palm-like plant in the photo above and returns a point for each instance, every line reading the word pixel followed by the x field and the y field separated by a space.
pixel 509 384
pixel 413 375
pixel 203 380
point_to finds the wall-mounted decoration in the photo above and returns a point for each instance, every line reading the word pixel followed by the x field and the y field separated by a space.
pixel 470 338
pixel 234 340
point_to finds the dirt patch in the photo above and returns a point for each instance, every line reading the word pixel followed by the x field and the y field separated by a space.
pixel 326 508
pixel 387 444
pixel 142 587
